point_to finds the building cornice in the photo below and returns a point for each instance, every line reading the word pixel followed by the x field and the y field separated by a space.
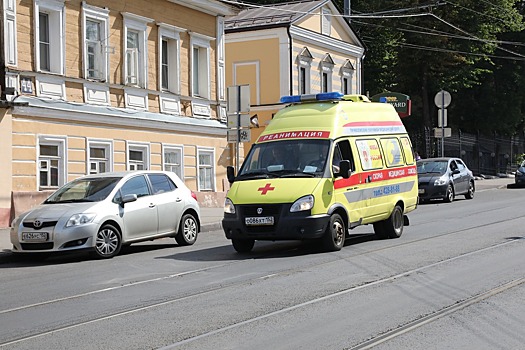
pixel 331 44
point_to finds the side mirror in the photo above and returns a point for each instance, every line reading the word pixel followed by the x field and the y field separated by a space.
pixel 455 171
pixel 344 169
pixel 230 174
pixel 129 198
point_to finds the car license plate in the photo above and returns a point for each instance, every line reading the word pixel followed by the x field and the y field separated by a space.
pixel 421 190
pixel 258 221
pixel 34 236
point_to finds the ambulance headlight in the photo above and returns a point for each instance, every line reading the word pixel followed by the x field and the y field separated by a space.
pixel 303 203
pixel 229 208
pixel 440 182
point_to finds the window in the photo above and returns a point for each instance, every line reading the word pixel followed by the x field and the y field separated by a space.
pixel 99 157
pixel 169 72
pixel 326 67
pixel 304 61
pixel 200 66
pixel 326 21
pixel 392 152
pixel 136 185
pixel 206 170
pixel 49 33
pixel 138 157
pixel 135 50
pixel 347 72
pixel 96 21
pixel 173 160
pixel 407 150
pixel 160 183
pixel 51 169
pixel 369 154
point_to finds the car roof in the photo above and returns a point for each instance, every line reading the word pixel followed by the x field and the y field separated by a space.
pixel 123 174
pixel 438 159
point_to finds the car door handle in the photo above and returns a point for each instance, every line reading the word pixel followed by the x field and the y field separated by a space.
pixel 178 199
pixel 152 205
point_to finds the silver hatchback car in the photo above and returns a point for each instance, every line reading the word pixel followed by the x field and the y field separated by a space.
pixel 105 211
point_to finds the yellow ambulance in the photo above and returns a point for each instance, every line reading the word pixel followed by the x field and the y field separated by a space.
pixel 326 163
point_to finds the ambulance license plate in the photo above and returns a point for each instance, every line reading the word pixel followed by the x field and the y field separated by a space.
pixel 421 190
pixel 34 236
pixel 259 221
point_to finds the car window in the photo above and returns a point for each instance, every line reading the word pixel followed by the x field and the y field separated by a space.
pixel 161 183
pixel 136 185
pixel 453 166
pixel 461 166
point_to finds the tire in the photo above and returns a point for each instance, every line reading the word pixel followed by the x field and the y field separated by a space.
pixel 188 230
pixel 334 236
pixel 449 195
pixel 108 242
pixel 391 227
pixel 243 245
pixel 471 190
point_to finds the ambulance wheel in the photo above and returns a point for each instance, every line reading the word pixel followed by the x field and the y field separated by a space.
pixel 243 245
pixel 391 227
pixel 334 237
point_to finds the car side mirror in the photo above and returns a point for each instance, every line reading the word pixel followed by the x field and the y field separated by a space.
pixel 344 169
pixel 455 171
pixel 230 174
pixel 129 198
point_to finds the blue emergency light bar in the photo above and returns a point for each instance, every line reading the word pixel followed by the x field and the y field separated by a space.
pixel 325 96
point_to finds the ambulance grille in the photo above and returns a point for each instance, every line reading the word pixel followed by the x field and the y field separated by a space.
pixel 267 210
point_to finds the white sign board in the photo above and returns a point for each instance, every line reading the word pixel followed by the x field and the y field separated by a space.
pixel 442 99
pixel 439 133
pixel 246 135
pixel 244 119
pixel 442 117
pixel 239 99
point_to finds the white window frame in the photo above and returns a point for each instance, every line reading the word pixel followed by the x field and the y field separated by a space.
pixel 179 167
pixel 100 15
pixel 139 55
pixel 326 21
pixel 108 147
pixel 56 12
pixel 200 43
pixel 304 60
pixel 61 143
pixel 10 33
pixel 140 147
pixel 210 168
pixel 326 66
pixel 221 60
pixel 347 72
pixel 172 35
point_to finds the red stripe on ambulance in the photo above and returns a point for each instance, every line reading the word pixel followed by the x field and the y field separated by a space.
pixel 377 175
pixel 295 135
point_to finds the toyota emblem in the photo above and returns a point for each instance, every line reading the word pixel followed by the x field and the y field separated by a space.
pixel 259 211
pixel 37 223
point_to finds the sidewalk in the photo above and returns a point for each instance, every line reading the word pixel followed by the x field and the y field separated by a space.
pixel 211 217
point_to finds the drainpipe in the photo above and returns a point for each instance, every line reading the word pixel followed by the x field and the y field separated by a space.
pixel 2 53
pixel 290 71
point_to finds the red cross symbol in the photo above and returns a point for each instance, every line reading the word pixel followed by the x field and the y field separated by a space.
pixel 266 188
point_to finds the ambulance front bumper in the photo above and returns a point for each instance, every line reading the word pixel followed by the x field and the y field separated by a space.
pixel 286 225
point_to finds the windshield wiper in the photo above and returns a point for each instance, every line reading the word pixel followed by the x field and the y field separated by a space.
pixel 78 200
pixel 255 175
pixel 299 174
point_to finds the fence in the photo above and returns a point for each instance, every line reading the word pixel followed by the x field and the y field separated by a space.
pixel 483 155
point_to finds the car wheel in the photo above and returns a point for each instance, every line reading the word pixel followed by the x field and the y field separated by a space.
pixel 334 237
pixel 243 245
pixel 188 230
pixel 107 242
pixel 391 227
pixel 470 192
pixel 449 195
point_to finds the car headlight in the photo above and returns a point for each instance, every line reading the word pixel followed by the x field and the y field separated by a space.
pixel 440 182
pixel 229 208
pixel 80 219
pixel 519 173
pixel 303 203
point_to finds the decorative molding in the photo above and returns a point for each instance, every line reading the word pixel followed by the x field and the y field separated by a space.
pixel 169 105
pixel 51 88
pixel 136 99
pixel 201 110
pixel 96 94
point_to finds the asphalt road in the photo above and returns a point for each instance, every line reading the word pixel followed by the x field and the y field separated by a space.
pixel 454 280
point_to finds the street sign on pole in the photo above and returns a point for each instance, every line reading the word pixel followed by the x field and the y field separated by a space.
pixel 233 135
pixel 442 100
pixel 238 99
pixel 237 109
pixel 232 120
pixel 442 117
pixel 442 132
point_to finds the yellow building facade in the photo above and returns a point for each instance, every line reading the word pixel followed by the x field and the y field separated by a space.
pixel 304 47
pixel 110 86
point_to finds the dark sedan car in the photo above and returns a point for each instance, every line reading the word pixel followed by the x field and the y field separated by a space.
pixel 444 178
pixel 519 177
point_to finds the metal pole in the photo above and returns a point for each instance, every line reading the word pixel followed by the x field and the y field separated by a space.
pixel 442 123
pixel 238 128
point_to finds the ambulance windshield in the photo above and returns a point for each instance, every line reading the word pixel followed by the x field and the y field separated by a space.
pixel 290 158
